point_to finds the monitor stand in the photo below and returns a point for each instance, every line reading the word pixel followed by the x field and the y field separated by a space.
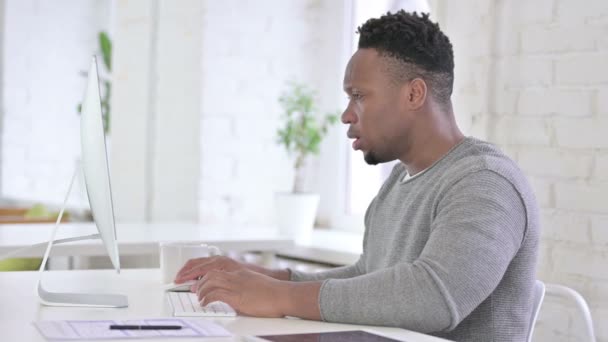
pixel 74 299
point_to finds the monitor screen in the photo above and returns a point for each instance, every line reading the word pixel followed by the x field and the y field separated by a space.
pixel 95 165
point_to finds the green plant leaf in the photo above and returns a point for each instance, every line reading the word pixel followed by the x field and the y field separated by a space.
pixel 303 128
pixel 105 106
pixel 106 49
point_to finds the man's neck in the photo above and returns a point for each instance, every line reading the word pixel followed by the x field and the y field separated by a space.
pixel 431 144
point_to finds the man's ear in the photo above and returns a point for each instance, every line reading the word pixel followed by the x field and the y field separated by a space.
pixel 416 93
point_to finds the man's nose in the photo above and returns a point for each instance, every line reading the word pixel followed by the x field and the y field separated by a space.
pixel 348 116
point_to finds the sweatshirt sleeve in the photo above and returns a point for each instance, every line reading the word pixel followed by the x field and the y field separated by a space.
pixel 478 228
pixel 349 271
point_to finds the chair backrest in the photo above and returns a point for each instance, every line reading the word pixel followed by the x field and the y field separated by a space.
pixel 581 305
pixel 537 296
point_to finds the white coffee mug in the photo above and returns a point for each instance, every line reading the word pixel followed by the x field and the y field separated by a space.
pixel 173 255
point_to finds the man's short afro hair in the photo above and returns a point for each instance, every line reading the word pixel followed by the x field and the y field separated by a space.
pixel 416 45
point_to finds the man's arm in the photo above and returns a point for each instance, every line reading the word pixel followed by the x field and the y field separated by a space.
pixel 473 240
pixel 196 268
pixel 344 272
pixel 255 294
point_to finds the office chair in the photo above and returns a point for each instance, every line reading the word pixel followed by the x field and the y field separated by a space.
pixel 581 305
pixel 538 296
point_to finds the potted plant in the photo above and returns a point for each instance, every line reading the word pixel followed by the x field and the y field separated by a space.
pixel 301 134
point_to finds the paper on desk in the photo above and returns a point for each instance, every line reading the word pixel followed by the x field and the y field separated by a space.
pixel 96 330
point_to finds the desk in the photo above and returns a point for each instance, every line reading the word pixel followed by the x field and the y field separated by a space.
pixel 19 306
pixel 140 239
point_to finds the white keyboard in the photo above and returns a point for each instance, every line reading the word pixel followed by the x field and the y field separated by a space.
pixel 185 304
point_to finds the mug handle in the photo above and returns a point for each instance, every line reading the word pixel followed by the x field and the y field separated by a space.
pixel 213 251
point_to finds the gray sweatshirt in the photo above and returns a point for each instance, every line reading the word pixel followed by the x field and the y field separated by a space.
pixel 451 252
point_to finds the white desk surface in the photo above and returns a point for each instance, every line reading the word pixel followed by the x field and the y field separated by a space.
pixel 141 239
pixel 20 307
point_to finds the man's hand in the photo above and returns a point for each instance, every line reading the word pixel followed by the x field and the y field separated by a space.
pixel 248 292
pixel 196 268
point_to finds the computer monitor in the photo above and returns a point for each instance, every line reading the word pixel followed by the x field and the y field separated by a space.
pixel 95 165
pixel 97 179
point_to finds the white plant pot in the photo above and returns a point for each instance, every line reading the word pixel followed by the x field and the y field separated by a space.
pixel 296 215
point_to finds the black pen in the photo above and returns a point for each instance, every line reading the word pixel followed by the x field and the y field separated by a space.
pixel 144 327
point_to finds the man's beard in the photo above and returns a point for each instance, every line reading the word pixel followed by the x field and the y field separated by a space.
pixel 370 158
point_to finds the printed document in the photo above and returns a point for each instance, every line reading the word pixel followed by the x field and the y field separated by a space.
pixel 96 330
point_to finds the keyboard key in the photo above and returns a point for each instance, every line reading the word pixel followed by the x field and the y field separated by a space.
pixel 185 304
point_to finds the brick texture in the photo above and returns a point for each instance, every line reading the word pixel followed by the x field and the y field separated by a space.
pixel 41 87
pixel 243 76
pixel 553 101
pixel 548 107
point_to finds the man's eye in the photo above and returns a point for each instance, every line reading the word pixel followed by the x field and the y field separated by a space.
pixel 355 97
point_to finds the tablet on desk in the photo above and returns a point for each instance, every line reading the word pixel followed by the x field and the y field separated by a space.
pixel 335 336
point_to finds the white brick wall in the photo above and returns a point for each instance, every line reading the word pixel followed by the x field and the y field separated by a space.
pixel 545 39
pixel 555 162
pixel 581 261
pixel 157 102
pixel 602 100
pixel 544 189
pixel 581 196
pixel 544 100
pixel 523 71
pixel 561 102
pixel 132 59
pixel 251 49
pixel 581 133
pixel 525 13
pixel 45 47
pixel 512 130
pixel 177 110
pixel 599 233
pixel 573 11
pixel 566 226
pixel 570 70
